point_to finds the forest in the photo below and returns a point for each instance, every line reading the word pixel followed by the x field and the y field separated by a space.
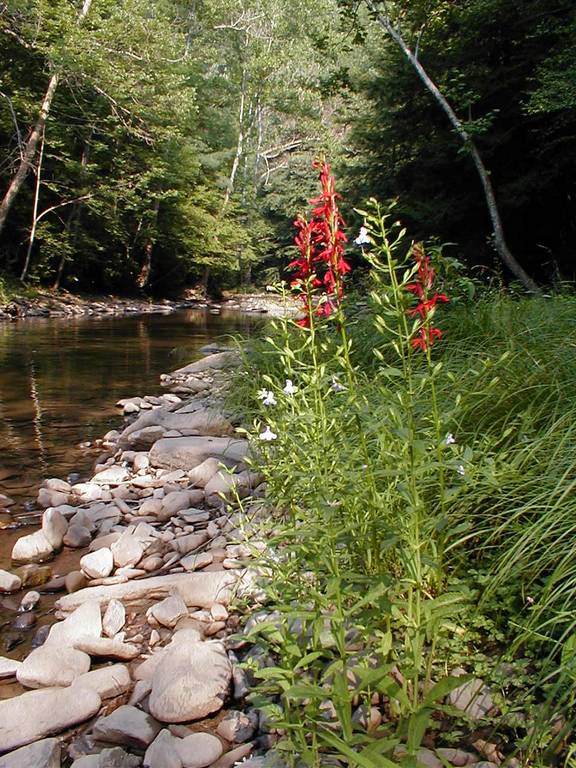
pixel 150 146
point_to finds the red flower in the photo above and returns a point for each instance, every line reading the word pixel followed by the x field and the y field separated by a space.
pixel 421 288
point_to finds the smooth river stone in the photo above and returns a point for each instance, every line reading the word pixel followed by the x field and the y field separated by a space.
pixel 108 758
pixel 199 750
pixel 8 667
pixel 190 682
pixel 49 666
pixel 85 621
pixel 42 754
pixel 107 681
pixel 99 564
pixel 127 550
pixel 162 753
pixel 169 611
pixel 111 476
pixel 32 548
pixel 36 714
pixel 9 582
pixel 114 618
pixel 107 648
pixel 200 590
pixel 188 452
pixel 54 526
pixel 216 362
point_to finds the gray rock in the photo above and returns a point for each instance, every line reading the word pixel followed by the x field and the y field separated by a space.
pixel 128 726
pixel 197 562
pixel 473 698
pixel 187 544
pixel 199 750
pixel 234 756
pixel 42 754
pixel 77 536
pixel 54 526
pixel 188 452
pixel 85 621
pixel 99 564
pixel 238 726
pixel 87 492
pixel 56 484
pixel 50 666
pixel 201 475
pixel 32 548
pixel 162 753
pixel 36 714
pixel 190 682
pixel 108 758
pixel 216 362
pixel 9 582
pixel 114 618
pixel 173 502
pixel 108 682
pixel 457 757
pixel 231 485
pixel 74 581
pixel 197 589
pixel 51 498
pixel 142 439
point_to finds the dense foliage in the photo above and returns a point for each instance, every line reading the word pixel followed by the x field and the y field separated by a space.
pixel 176 137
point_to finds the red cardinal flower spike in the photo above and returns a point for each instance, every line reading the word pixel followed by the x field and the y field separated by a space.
pixel 321 265
pixel 426 334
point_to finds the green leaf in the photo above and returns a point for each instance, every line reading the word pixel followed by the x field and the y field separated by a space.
pixel 363 759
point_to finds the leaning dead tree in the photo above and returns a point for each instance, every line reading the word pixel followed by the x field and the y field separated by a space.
pixel 383 16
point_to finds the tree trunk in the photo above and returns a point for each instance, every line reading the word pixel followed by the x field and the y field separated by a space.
pixel 240 143
pixel 34 211
pixel 29 153
pixel 146 268
pixel 504 252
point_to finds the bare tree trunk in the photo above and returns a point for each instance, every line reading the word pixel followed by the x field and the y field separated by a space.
pixel 29 153
pixel 240 143
pixel 504 252
pixel 34 211
pixel 146 268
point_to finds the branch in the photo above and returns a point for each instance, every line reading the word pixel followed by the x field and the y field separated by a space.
pixel 61 205
pixel 18 134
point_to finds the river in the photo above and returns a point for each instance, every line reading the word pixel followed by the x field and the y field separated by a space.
pixel 61 377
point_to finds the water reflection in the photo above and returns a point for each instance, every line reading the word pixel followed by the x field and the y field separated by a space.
pixel 60 378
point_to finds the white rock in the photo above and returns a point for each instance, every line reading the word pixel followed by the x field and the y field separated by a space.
pixel 169 611
pixel 30 600
pixel 85 621
pixel 204 472
pixel 188 452
pixel 199 750
pixel 42 754
pixel 106 647
pixel 36 714
pixel 50 666
pixel 108 682
pixel 190 682
pixel 87 491
pixel 56 484
pixel 201 589
pixel 9 582
pixel 99 564
pixel 49 498
pixel 114 618
pixel 127 550
pixel 114 475
pixel 141 461
pixel 196 562
pixel 8 668
pixel 54 526
pixel 33 548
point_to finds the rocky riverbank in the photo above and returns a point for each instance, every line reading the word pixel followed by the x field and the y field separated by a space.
pixel 64 304
pixel 139 670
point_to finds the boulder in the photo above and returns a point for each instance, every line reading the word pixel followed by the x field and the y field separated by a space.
pixel 85 621
pixel 199 750
pixel 215 362
pixel 32 548
pixel 9 582
pixel 188 452
pixel 98 564
pixel 127 726
pixel 201 590
pixel 190 682
pixel 36 714
pixel 54 526
pixel 51 666
pixel 231 485
pixel 142 439
pixel 107 647
pixel 42 754
pixel 108 682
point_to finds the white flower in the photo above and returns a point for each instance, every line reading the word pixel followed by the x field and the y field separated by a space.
pixel 289 389
pixel 269 399
pixel 362 238
pixel 460 469
pixel 268 435
pixel 450 440
pixel 336 386
pixel 263 394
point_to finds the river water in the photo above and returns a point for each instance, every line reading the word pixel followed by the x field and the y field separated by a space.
pixel 61 377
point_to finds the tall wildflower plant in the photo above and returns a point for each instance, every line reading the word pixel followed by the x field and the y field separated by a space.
pixel 361 471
